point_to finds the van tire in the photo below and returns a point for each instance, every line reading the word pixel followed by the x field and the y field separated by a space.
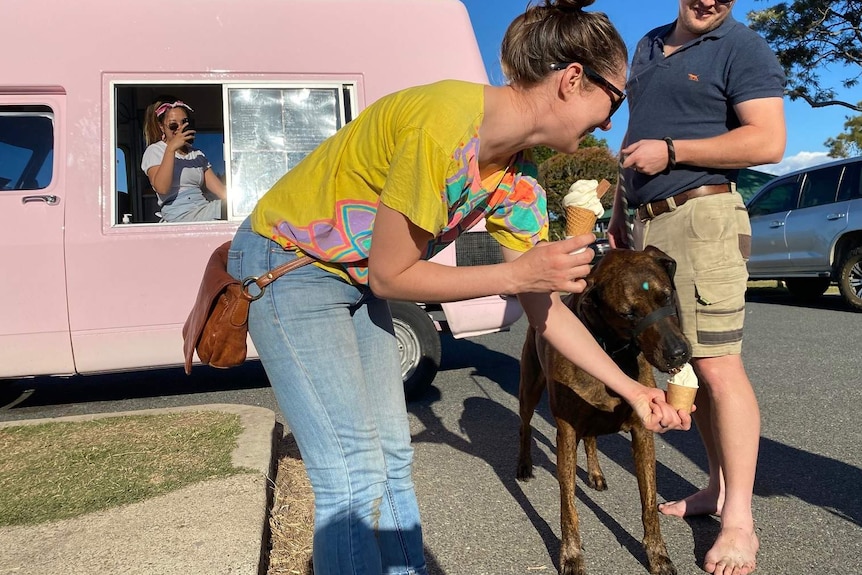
pixel 807 289
pixel 850 278
pixel 418 346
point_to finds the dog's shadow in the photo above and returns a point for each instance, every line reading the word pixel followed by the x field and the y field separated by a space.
pixel 492 435
pixel 491 431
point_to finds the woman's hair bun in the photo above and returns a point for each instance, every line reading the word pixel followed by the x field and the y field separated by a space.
pixel 569 5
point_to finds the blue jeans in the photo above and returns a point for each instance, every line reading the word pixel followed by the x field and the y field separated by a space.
pixel 330 354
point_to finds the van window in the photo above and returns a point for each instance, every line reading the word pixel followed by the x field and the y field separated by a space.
pixel 26 147
pixel 271 129
pixel 820 187
pixel 250 133
pixel 780 197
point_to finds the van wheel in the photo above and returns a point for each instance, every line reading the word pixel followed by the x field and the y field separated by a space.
pixel 807 289
pixel 850 278
pixel 418 345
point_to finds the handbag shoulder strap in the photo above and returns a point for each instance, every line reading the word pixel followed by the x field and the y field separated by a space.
pixel 272 275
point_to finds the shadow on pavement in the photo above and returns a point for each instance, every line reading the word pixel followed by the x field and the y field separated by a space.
pixel 46 391
pixel 492 435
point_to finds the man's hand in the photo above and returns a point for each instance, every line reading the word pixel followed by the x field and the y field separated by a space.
pixel 646 157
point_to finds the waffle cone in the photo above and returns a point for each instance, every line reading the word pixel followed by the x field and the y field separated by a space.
pixel 579 221
pixel 681 397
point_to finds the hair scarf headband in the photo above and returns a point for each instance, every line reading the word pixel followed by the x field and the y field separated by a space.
pixel 167 106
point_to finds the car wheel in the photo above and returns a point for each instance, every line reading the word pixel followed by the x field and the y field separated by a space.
pixel 850 278
pixel 418 345
pixel 807 289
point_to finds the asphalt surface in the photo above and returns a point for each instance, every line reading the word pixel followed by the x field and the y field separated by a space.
pixel 805 364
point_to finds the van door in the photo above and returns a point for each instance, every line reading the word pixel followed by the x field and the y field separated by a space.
pixel 34 319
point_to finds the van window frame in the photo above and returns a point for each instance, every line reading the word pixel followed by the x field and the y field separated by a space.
pixel 348 89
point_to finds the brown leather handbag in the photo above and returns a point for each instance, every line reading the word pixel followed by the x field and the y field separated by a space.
pixel 217 326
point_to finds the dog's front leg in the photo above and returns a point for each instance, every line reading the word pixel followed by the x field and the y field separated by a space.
pixel 571 555
pixel 643 451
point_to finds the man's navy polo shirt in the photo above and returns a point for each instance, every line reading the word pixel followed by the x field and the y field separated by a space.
pixel 690 95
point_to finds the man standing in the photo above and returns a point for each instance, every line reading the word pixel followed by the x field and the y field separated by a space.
pixel 705 99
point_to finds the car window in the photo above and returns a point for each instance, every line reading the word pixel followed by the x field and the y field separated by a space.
pixel 26 147
pixel 779 197
pixel 851 182
pixel 820 187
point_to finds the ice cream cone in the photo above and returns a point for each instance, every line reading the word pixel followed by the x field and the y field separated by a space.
pixel 681 396
pixel 579 221
pixel 682 388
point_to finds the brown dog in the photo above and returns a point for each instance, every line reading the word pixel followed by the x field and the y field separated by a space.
pixel 629 306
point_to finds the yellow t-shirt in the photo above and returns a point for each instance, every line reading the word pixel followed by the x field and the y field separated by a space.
pixel 417 152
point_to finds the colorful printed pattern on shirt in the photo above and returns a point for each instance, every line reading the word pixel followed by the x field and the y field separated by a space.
pixel 513 200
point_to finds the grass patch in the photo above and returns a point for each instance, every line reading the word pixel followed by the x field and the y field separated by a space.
pixel 59 470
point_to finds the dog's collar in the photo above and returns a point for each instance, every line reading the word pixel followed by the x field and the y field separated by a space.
pixel 602 342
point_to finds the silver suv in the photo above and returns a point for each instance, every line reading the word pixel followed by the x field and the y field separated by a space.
pixel 806 229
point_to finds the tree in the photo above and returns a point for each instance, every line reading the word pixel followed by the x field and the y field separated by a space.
pixel 807 36
pixel 848 143
pixel 560 171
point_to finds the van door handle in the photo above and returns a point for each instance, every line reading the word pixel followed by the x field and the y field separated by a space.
pixel 776 224
pixel 49 199
pixel 831 217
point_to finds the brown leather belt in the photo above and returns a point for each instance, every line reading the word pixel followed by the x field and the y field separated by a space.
pixel 658 207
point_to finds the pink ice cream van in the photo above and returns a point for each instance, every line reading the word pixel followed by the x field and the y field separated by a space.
pixel 93 280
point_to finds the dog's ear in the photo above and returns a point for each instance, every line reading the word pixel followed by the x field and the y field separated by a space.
pixel 588 301
pixel 665 260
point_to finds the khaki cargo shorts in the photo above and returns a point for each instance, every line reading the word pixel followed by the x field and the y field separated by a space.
pixel 710 239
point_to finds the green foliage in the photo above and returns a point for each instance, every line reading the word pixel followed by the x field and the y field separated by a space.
pixel 559 172
pixel 809 36
pixel 543 153
pixel 849 143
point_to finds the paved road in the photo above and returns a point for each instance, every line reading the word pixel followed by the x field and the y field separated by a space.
pixel 805 363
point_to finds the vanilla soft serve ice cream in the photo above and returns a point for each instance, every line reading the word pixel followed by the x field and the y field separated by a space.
pixel 583 206
pixel 583 194
pixel 682 388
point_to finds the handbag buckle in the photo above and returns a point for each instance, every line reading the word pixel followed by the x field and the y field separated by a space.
pixel 245 285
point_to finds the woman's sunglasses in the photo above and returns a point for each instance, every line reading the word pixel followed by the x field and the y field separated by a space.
pixel 601 81
pixel 173 126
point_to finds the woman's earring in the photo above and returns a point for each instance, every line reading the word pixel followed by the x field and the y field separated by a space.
pixel 163 136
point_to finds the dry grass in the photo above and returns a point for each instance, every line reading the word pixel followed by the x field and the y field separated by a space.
pixel 60 470
pixel 291 520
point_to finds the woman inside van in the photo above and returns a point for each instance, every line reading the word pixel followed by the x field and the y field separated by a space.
pixel 187 188
pixel 372 204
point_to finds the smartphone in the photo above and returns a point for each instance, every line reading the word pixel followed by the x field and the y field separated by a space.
pixel 189 125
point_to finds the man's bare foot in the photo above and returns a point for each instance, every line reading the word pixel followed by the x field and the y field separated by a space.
pixel 704 502
pixel 734 553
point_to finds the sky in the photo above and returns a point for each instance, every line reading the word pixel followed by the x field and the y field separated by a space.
pixel 807 127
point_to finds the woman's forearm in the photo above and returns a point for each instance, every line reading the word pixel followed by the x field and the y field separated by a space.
pixel 563 330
